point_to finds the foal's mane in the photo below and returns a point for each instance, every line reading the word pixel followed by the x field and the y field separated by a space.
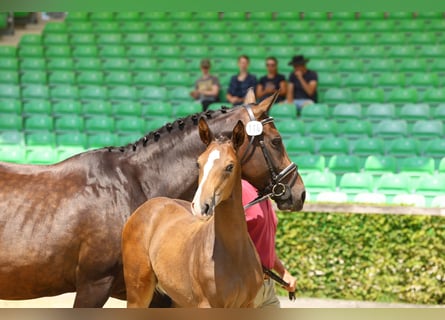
pixel 177 125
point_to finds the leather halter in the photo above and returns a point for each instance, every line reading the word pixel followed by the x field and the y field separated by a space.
pixel 276 189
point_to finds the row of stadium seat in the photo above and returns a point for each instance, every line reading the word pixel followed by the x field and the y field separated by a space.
pixel 240 16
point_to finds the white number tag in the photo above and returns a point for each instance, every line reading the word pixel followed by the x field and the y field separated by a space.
pixel 254 128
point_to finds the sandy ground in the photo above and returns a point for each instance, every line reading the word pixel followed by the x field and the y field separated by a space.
pixel 66 301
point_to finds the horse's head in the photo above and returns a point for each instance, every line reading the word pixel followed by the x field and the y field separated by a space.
pixel 219 168
pixel 265 162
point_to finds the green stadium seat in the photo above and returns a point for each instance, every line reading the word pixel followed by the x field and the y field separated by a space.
pixel 310 163
pixel 403 147
pixel 353 183
pixel 427 129
pixel 219 39
pixel 333 39
pixel 357 26
pixel 414 111
pixel 380 111
pixel 13 153
pixel 300 145
pixel 59 51
pixel 126 138
pixel 417 200
pixel 55 40
pixel 261 16
pixel 180 94
pixel 102 16
pixel 365 147
pixel 341 164
pixel 368 95
pixel 391 39
pixel 341 52
pixel 206 16
pixel 438 65
pixel 402 51
pixel 141 79
pixel 10 122
pixel 431 186
pixel 392 184
pixel 130 125
pixel 390 80
pixel 389 129
pixel 421 38
pixel 101 140
pixel 325 27
pixel 82 27
pixel 11 106
pixel 157 110
pixel 85 64
pixel 33 77
pixel 109 38
pixel 35 91
pixel 322 128
pixel 303 39
pixel 291 16
pixel 127 16
pixel 11 137
pixel 322 65
pixel 161 27
pixel 78 39
pixel 67 107
pixel 155 124
pixel 106 27
pixel 31 39
pixel 177 79
pixel 270 28
pixel 97 107
pixel 127 93
pixel 141 39
pixel 9 91
pixel 355 78
pixel 60 64
pixel 139 51
pixel 435 149
pixel 31 51
pixel 39 122
pixel 329 80
pixel 115 64
pixel 246 38
pixel 434 96
pixel 438 112
pixel 33 64
pixel 399 15
pixel 41 155
pixel 415 167
pixel 379 26
pixel 190 39
pixel 164 39
pixel 37 106
pixel 347 111
pixel 333 145
pixel 77 16
pixel 127 108
pixel 198 51
pixel 378 164
pixel 290 127
pixel 362 38
pixel 67 92
pixel 412 65
pixel 93 92
pixel 315 15
pixel 153 16
pixel 353 129
pixel 374 198
pixel 62 77
pixel 403 95
pixel 167 51
pixel 172 64
pixel 379 65
pixel 314 112
pixel 432 51
pixel 64 153
pixel 90 77
pixel 279 51
pixel 234 16
pixel 284 111
pixel 8 52
pixel 314 52
pixel 187 108
pixel 41 138
pixel 152 93
pixel 112 51
pixel 69 123
pixel 118 78
pixel 180 15
pixel 438 201
pixel 9 77
pixel 316 182
pixel 376 55
pixel 187 27
pixel 99 123
pixel 337 95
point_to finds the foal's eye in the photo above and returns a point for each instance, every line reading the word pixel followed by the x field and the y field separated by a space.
pixel 229 168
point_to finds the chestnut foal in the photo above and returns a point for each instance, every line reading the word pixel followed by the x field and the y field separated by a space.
pixel 198 253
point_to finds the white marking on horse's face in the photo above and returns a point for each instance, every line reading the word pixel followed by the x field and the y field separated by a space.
pixel 196 203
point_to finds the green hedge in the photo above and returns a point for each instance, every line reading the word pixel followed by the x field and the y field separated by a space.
pixel 388 258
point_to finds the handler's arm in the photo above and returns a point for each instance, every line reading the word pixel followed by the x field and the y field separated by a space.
pixel 282 271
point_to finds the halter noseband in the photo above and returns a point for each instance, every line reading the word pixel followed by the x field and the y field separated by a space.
pixel 276 188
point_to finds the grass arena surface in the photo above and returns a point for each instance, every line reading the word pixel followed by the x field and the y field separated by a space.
pixel 384 258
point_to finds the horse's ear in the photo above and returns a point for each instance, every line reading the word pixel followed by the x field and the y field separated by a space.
pixel 264 106
pixel 238 135
pixel 205 133
pixel 250 96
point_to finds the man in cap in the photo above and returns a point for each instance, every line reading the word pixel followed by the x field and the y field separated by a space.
pixel 302 87
pixel 206 87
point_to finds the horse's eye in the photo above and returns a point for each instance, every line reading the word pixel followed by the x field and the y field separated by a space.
pixel 229 168
pixel 276 142
pixel 197 165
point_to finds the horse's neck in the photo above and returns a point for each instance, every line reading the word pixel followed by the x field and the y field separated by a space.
pixel 230 224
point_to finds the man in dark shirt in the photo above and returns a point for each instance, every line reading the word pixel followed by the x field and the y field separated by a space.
pixel 241 82
pixel 302 87
pixel 271 82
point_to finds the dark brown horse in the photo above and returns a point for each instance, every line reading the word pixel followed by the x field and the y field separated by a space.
pixel 61 225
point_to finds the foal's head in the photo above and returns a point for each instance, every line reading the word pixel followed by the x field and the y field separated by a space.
pixel 219 168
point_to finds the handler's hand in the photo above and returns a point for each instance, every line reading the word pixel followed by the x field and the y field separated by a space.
pixel 291 280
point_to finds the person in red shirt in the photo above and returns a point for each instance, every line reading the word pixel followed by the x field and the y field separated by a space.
pixel 262 226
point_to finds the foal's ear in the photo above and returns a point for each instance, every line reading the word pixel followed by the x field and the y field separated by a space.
pixel 264 106
pixel 250 96
pixel 205 133
pixel 238 135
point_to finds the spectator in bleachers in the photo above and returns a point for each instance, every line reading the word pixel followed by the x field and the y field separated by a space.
pixel 241 82
pixel 206 87
pixel 271 82
pixel 302 87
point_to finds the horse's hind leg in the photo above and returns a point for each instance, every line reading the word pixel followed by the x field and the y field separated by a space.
pixel 92 293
